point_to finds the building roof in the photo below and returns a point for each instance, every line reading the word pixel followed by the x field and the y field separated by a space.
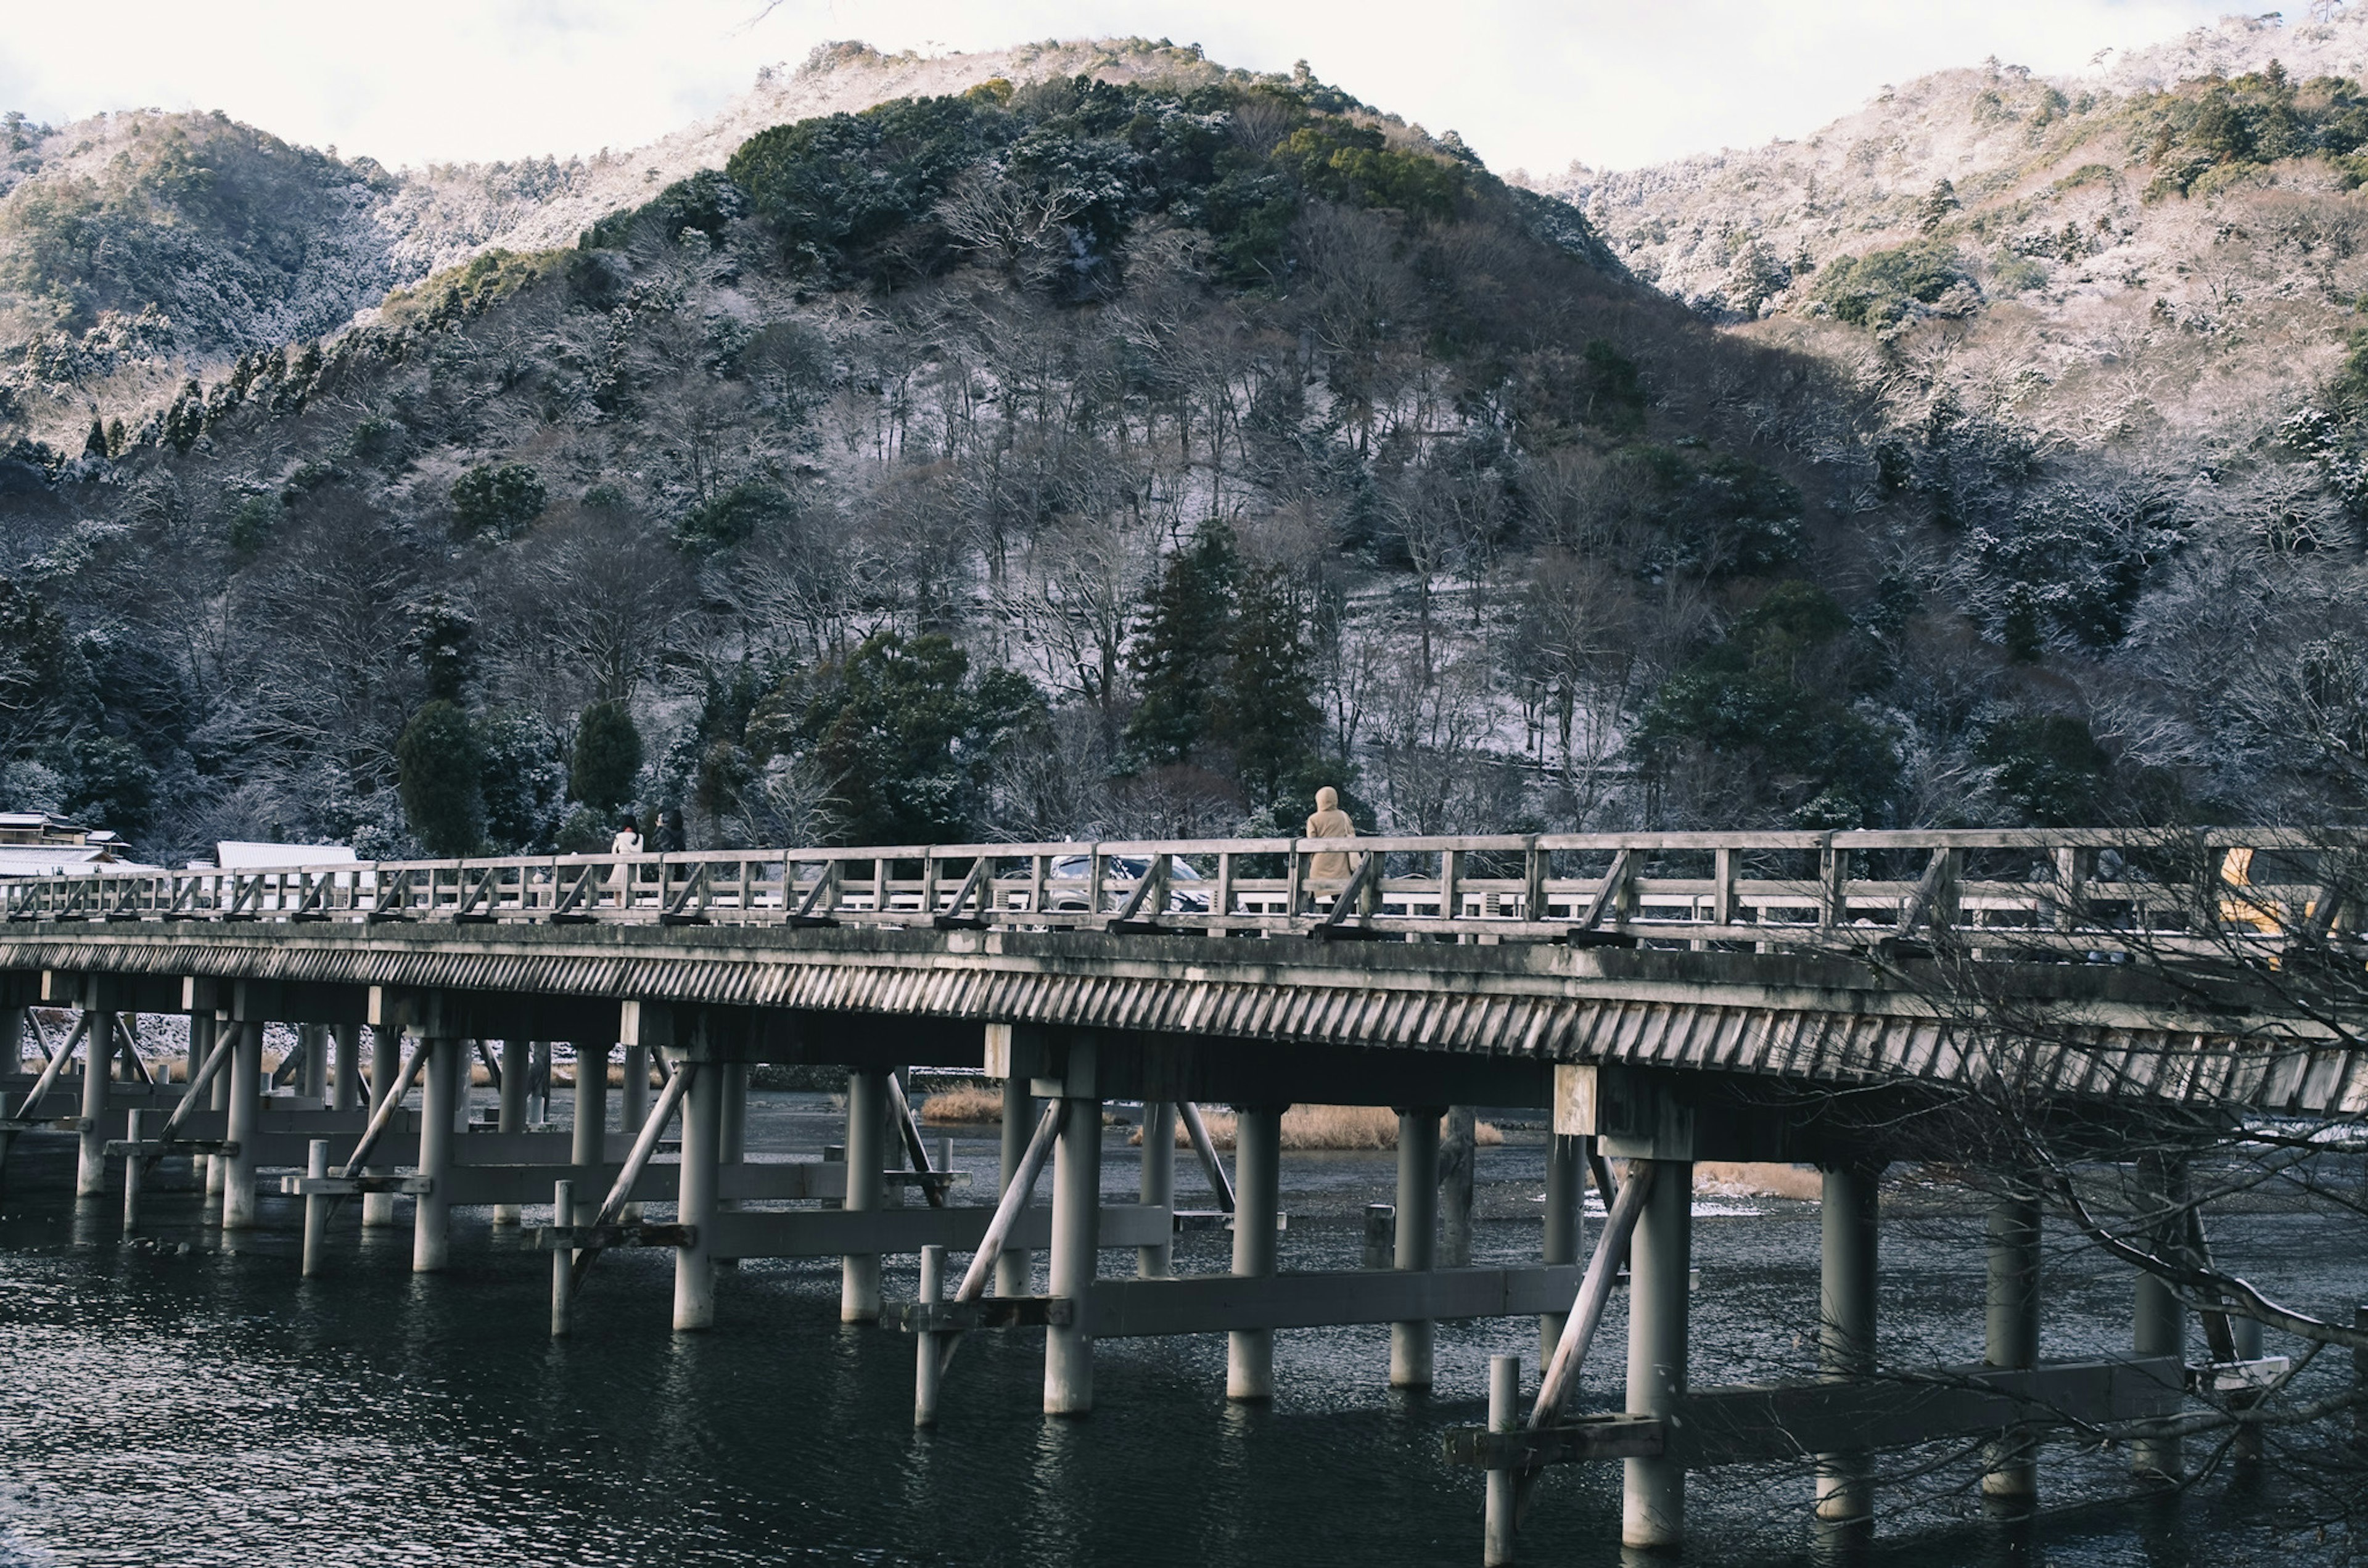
pixel 233 855
pixel 58 859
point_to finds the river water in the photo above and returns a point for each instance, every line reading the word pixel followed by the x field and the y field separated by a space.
pixel 179 1398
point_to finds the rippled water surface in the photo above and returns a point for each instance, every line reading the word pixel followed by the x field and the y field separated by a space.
pixel 178 1399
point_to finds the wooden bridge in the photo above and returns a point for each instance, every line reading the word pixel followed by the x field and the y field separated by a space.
pixel 1818 997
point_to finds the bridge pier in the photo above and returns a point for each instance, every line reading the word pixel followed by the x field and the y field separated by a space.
pixel 1566 1208
pixel 1013 1273
pixel 1653 1491
pixel 312 1064
pixel 347 1091
pixel 386 1066
pixel 590 1146
pixel 1846 1342
pixel 245 1121
pixel 2010 1338
pixel 1417 1238
pixel 702 1148
pixel 97 1060
pixel 439 1107
pixel 1077 1214
pixel 512 1117
pixel 1258 1160
pixel 1158 1187
pixel 866 1122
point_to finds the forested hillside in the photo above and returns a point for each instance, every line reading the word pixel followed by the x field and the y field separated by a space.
pixel 1131 452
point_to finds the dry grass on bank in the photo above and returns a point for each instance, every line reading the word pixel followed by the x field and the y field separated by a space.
pixel 1730 1178
pixel 1303 1127
pixel 1323 1127
pixel 965 1104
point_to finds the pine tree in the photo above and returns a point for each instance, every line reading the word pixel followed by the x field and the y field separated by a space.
pixel 1266 709
pixel 1179 657
pixel 607 757
pixel 440 776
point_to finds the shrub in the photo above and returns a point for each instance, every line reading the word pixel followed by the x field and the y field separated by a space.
pixel 1874 290
pixel 2049 766
pixel 500 501
pixel 733 516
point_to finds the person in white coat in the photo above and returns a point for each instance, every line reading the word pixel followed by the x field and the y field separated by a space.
pixel 627 842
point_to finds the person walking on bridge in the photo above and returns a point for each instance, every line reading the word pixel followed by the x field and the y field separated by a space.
pixel 1329 822
pixel 627 842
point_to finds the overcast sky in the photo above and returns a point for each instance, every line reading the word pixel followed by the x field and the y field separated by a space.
pixel 1531 84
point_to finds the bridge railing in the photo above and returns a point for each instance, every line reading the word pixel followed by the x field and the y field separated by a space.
pixel 2070 890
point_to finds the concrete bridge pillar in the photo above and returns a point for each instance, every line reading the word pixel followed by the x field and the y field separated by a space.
pixel 2010 1338
pixel 1257 1158
pixel 448 1070
pixel 1012 1268
pixel 515 1072
pixel 386 1066
pixel 348 1092
pixel 867 1120
pixel 1158 1261
pixel 1417 1239
pixel 245 1117
pixel 1846 1342
pixel 97 1061
pixel 1566 1208
pixel 702 1148
pixel 1653 1493
pixel 590 1145
pixel 1077 1224
pixel 312 1064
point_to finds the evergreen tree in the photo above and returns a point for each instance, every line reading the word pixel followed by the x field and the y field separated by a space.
pixel 441 775
pixel 907 738
pixel 607 757
pixel 1266 709
pixel 1179 657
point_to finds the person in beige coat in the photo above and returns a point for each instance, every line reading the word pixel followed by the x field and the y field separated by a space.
pixel 1329 822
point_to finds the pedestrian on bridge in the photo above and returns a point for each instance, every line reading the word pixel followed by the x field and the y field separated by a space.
pixel 1329 822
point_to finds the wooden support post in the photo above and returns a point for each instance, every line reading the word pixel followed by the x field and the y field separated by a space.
pixel 1458 1155
pixel 439 1103
pixel 2159 1326
pixel 386 1067
pixel 1076 1213
pixel 1012 1271
pixel 12 1042
pixel 633 1105
pixel 98 1050
pixel 346 1093
pixel 1417 1238
pixel 1258 1158
pixel 563 1261
pixel 702 1149
pixel 1846 1345
pixel 134 1169
pixel 316 1207
pixel 1653 1491
pixel 1504 1416
pixel 2246 1336
pixel 2010 1339
pixel 1156 1261
pixel 589 1147
pixel 1565 1212
pixel 245 1113
pixel 516 1074
pixel 866 1122
pixel 929 1364
pixel 1205 1151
